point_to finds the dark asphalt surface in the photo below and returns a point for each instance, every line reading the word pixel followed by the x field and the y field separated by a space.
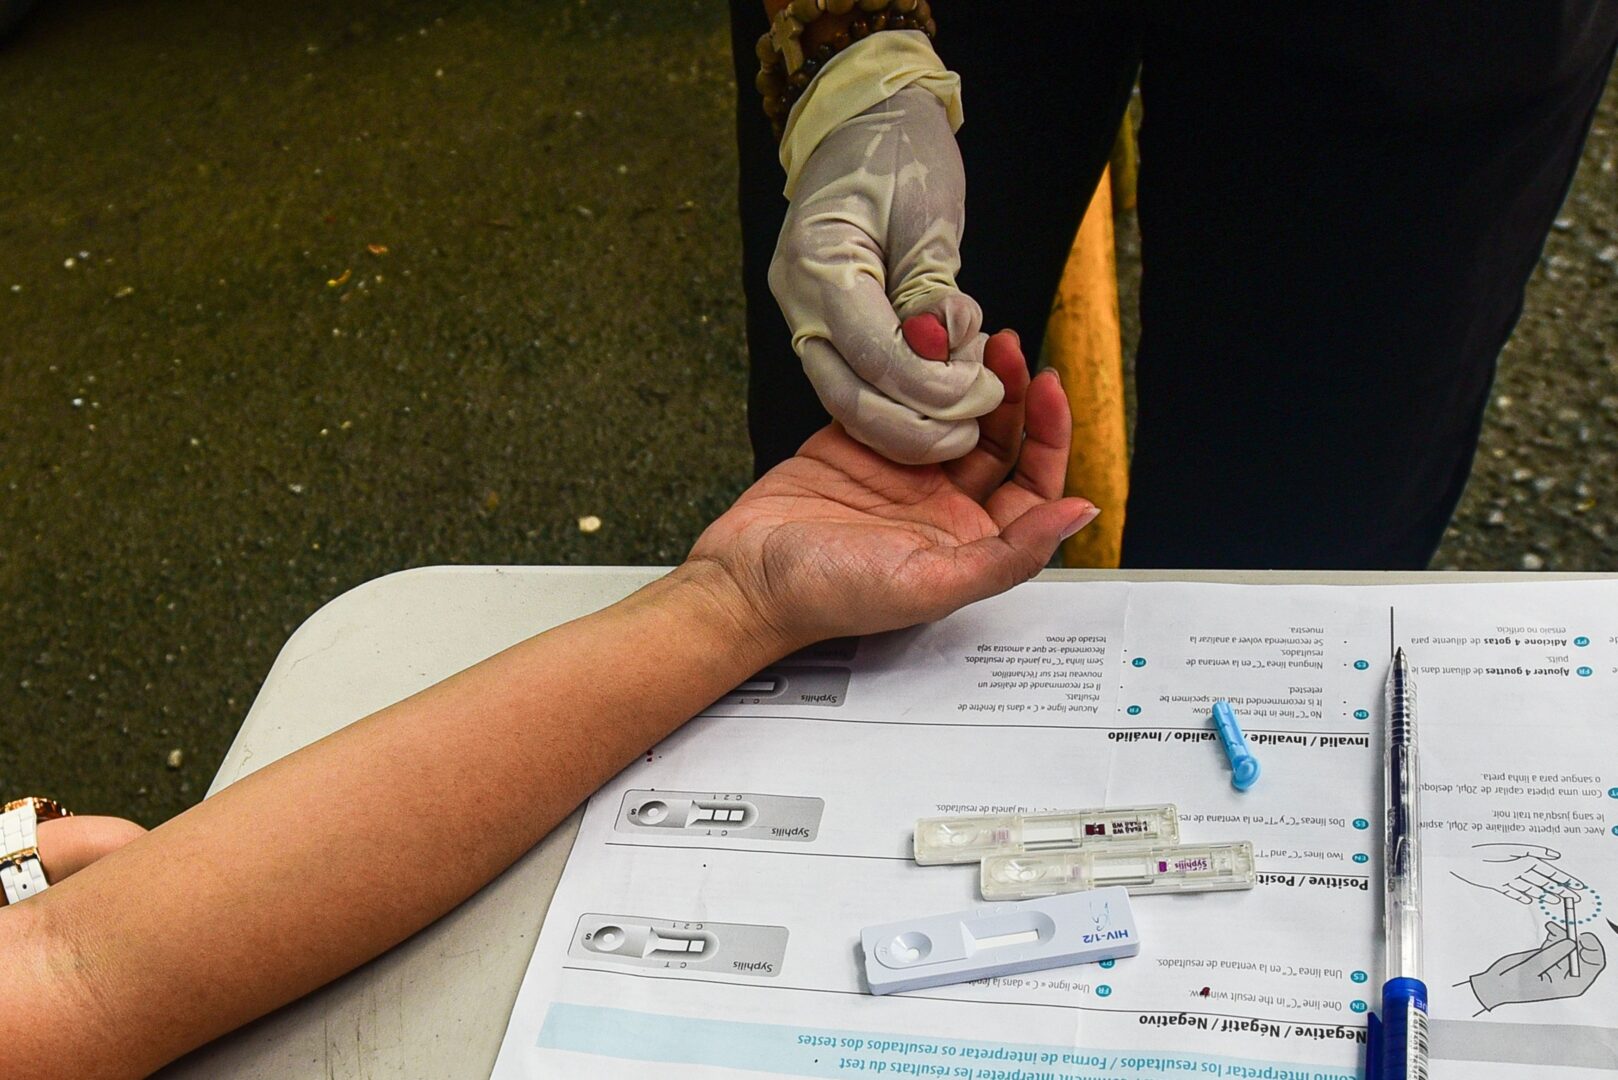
pixel 293 296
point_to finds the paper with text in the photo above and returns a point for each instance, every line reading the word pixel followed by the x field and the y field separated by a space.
pixel 707 924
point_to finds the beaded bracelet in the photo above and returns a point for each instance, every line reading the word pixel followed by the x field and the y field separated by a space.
pixel 785 69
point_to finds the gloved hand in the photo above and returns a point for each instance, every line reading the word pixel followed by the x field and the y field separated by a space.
pixel 1541 974
pixel 872 237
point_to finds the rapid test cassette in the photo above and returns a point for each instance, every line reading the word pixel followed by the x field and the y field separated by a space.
pixel 1188 868
pixel 729 948
pixel 712 815
pixel 999 939
pixel 971 839
pixel 822 687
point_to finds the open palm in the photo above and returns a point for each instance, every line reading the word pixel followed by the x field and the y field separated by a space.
pixel 839 540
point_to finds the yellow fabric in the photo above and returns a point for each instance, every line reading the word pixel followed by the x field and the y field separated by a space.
pixel 862 75
pixel 1083 344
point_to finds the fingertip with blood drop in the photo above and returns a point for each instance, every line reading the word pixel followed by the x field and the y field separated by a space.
pixel 927 336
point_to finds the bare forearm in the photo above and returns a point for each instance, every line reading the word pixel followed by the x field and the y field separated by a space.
pixel 325 859
pixel 321 861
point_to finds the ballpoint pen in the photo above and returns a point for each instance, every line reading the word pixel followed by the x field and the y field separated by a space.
pixel 1396 1041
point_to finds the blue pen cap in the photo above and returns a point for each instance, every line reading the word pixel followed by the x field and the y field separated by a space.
pixel 1397 1039
pixel 1244 768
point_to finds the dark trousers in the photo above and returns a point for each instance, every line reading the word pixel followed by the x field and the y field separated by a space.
pixel 1340 206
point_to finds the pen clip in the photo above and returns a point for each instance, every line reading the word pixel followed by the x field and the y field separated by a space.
pixel 1373 1048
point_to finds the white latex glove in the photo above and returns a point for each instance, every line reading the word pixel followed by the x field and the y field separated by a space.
pixel 872 237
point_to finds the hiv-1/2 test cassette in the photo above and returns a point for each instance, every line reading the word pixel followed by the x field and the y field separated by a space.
pixel 728 948
pixel 717 814
pixel 972 839
pixel 1187 868
pixel 999 939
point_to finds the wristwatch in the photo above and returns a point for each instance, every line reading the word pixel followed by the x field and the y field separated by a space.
pixel 21 873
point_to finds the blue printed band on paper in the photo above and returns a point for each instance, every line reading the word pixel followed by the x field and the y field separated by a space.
pixel 819 1052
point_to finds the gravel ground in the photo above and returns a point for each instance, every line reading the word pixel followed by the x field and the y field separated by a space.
pixel 1544 487
pixel 294 296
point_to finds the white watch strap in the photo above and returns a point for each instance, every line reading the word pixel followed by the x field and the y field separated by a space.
pixel 21 873
pixel 22 878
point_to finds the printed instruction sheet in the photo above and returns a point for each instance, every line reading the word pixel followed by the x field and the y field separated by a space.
pixel 740 859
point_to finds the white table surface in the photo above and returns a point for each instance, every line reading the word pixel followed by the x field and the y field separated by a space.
pixel 437 1005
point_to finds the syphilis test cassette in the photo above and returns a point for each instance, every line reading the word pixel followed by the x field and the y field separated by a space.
pixel 1188 868
pixel 665 815
pixel 999 939
pixel 674 945
pixel 971 839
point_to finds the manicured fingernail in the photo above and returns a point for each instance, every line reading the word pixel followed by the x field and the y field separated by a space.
pixel 1053 373
pixel 1081 521
pixel 1014 336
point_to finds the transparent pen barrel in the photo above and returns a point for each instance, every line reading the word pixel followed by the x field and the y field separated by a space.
pixel 1404 940
pixel 1402 848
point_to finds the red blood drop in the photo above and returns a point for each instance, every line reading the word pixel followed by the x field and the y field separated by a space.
pixel 927 336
